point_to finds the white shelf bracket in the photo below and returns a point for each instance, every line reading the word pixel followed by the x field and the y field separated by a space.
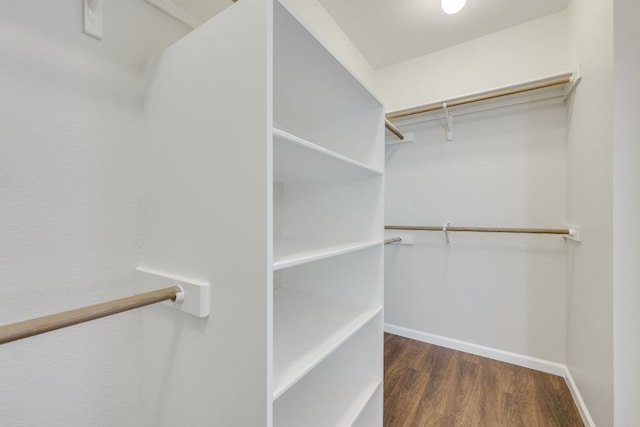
pixel 573 84
pixel 194 298
pixel 446 231
pixel 93 15
pixel 408 137
pixel 449 119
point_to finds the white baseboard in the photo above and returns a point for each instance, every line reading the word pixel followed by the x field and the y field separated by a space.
pixel 503 356
pixel 492 353
pixel 577 397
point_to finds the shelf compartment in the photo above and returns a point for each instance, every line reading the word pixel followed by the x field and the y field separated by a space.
pixel 318 99
pixel 356 277
pixel 344 381
pixel 296 159
pixel 316 220
pixel 291 252
pixel 307 329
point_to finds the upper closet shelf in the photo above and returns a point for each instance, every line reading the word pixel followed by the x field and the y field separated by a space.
pixel 292 252
pixel 557 86
pixel 308 328
pixel 295 159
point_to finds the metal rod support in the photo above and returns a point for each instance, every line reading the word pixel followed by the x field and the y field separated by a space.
pixel 28 328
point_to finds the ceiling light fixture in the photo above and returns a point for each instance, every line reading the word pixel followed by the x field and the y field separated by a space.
pixel 453 6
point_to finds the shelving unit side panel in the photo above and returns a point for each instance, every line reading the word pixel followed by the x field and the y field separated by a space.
pixel 206 216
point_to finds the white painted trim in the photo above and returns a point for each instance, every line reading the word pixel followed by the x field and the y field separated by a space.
pixel 479 350
pixel 577 397
pixel 175 11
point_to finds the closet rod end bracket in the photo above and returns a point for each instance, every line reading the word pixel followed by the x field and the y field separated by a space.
pixel 575 80
pixel 574 233
pixel 193 298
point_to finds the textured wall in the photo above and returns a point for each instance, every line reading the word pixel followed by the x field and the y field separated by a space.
pixel 70 175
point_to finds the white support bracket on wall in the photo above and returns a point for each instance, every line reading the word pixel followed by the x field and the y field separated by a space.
pixel 573 84
pixel 445 230
pixel 408 137
pixel 449 120
pixel 196 294
pixel 93 13
pixel 574 233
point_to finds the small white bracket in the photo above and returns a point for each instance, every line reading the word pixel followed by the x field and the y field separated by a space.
pixel 449 120
pixel 195 295
pixel 445 231
pixel 573 84
pixel 574 233
pixel 408 137
pixel 93 18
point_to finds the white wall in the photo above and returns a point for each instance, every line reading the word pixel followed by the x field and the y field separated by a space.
pixel 504 168
pixel 626 214
pixel 70 205
pixel 589 203
pixel 525 52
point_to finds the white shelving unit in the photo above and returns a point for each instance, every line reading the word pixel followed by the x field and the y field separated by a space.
pixel 264 177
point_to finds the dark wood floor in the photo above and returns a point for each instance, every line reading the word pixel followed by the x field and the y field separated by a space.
pixel 427 385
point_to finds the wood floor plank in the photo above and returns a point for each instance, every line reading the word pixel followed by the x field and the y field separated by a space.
pixel 430 386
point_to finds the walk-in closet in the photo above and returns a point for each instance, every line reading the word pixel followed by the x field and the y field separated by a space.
pixel 319 213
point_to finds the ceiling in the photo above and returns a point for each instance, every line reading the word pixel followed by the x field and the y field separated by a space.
pixel 391 31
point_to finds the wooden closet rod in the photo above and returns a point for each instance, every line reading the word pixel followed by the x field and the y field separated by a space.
pixel 477 98
pixel 560 231
pixel 394 130
pixel 392 240
pixel 28 328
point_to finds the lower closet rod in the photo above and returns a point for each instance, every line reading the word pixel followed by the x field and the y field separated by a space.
pixel 392 240
pixel 394 130
pixel 560 231
pixel 28 328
